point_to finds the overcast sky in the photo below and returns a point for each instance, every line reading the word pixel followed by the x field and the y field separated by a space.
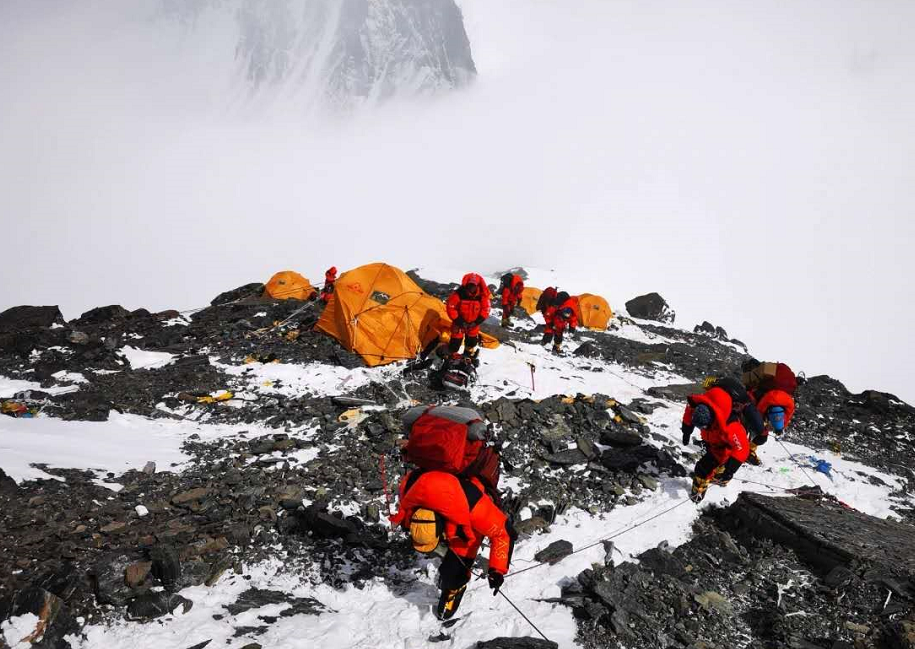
pixel 752 162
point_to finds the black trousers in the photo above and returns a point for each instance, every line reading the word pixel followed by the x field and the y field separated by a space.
pixel 708 463
pixel 455 571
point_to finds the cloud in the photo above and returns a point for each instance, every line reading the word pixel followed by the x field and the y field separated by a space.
pixel 751 163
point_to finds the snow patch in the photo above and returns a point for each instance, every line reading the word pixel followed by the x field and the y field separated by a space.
pixel 140 359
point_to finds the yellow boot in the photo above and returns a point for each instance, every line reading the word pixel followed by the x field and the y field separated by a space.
pixel 700 486
pixel 753 458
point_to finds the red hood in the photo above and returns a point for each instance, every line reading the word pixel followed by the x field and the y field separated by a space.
pixel 473 278
pixel 719 401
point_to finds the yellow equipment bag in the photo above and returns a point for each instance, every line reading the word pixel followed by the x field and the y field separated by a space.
pixel 426 530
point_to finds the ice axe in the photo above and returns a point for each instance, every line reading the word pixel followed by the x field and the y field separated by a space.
pixel 531 365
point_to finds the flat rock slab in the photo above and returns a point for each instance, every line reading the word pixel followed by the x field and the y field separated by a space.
pixel 827 533
pixel 517 643
pixel 554 552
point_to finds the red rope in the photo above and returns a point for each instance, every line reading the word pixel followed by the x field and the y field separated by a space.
pixel 384 484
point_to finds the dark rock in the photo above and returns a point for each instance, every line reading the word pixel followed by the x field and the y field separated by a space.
pixel 839 577
pixel 827 534
pixel 166 565
pixel 26 317
pixel 631 459
pixel 108 577
pixel 619 437
pixel 7 484
pixel 586 446
pixel 677 392
pixel 567 457
pixel 517 643
pixel 650 307
pixel 55 620
pixel 252 290
pixel 554 552
pixel 200 645
pixel 257 597
pixel 102 314
pixel 626 414
pixel 152 605
pixel 588 350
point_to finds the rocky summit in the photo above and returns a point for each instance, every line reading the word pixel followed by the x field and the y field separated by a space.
pixel 272 513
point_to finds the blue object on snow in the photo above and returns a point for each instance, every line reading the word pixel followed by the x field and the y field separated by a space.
pixel 822 466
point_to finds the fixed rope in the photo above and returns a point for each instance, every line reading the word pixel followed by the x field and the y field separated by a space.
pixel 609 537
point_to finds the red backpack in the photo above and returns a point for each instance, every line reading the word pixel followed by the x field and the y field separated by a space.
pixel 451 439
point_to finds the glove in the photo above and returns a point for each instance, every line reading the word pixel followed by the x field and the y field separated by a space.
pixel 687 433
pixel 479 320
pixel 496 579
pixel 459 322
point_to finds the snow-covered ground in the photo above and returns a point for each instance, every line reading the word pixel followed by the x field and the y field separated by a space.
pixel 384 613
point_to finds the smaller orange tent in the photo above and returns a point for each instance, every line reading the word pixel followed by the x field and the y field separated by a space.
pixel 529 297
pixel 289 285
pixel 593 311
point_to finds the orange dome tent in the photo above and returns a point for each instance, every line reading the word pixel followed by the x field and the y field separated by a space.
pixel 593 311
pixel 529 297
pixel 381 314
pixel 289 285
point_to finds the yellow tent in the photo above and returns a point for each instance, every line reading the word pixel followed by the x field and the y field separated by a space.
pixel 529 297
pixel 289 285
pixel 381 314
pixel 593 311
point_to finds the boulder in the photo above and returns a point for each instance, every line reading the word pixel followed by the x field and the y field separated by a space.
pixel 166 565
pixel 675 392
pixel 629 460
pixel 103 314
pixel 554 552
pixel 7 484
pixel 149 606
pixel 619 437
pixel 54 620
pixel 108 576
pixel 517 643
pixel 26 317
pixel 650 307
pixel 252 290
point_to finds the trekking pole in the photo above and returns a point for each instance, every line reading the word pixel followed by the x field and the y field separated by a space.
pixel 531 365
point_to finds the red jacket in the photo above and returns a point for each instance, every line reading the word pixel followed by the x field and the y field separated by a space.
pixel 470 515
pixel 470 309
pixel 776 398
pixel 726 436
pixel 555 322
pixel 511 294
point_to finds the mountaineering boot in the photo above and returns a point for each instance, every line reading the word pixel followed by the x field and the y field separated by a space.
pixel 753 458
pixel 472 355
pixel 448 602
pixel 506 322
pixel 720 481
pixel 557 348
pixel 700 485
